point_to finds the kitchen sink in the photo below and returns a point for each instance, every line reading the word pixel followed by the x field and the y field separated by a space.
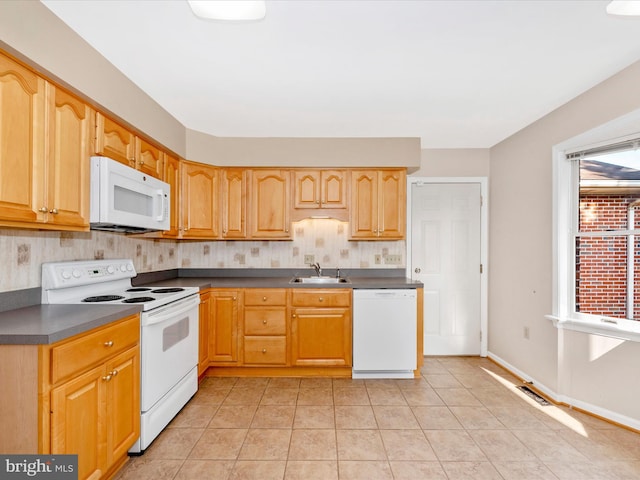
pixel 322 280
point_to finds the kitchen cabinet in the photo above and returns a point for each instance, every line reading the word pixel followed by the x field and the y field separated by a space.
pixel 77 396
pixel 270 204
pixel 321 327
pixel 44 172
pixel 172 177
pixel 234 202
pixel 223 327
pixel 265 327
pixel 378 200
pixel 199 200
pixel 320 192
pixel 117 142
pixel 204 317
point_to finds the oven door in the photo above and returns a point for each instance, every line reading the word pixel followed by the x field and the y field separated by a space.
pixel 169 347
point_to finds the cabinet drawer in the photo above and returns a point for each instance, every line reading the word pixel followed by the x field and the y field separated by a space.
pixel 321 298
pixel 265 321
pixel 265 296
pixel 265 350
pixel 87 350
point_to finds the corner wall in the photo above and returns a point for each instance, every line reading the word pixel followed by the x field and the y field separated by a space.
pixel 520 273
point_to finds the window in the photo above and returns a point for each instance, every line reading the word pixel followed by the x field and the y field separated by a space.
pixel 607 251
pixel 597 234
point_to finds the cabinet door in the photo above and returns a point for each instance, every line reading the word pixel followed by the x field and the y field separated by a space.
pixel 334 189
pixel 22 140
pixel 306 187
pixel 78 421
pixel 199 197
pixel 172 177
pixel 122 418
pixel 223 327
pixel 321 337
pixel 203 335
pixel 149 158
pixel 234 203
pixel 70 122
pixel 364 204
pixel 114 141
pixel 391 204
pixel 270 216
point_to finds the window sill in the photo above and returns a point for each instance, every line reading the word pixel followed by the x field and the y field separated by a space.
pixel 623 329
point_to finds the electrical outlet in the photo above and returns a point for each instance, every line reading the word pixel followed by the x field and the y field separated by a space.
pixel 377 259
pixel 526 333
pixel 393 259
pixel 309 259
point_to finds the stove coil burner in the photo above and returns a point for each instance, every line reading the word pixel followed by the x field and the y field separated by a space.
pixel 167 290
pixel 138 289
pixel 138 300
pixel 102 298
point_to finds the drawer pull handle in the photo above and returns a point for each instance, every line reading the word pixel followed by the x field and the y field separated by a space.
pixel 264 322
pixel 264 299
pixel 264 350
pixel 107 378
pixel 109 343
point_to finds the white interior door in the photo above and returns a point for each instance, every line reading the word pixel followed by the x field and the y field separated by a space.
pixel 446 257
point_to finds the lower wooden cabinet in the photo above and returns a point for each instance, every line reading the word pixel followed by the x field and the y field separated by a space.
pixel 264 324
pixel 78 396
pixel 321 328
pixel 223 327
pixel 204 317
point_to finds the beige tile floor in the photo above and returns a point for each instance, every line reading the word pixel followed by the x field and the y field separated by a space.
pixel 463 419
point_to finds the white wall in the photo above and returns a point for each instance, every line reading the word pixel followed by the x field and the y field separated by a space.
pixel 461 162
pixel 520 253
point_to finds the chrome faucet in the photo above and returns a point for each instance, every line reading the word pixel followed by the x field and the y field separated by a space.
pixel 317 268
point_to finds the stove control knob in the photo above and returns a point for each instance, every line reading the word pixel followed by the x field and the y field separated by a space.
pixel 76 273
pixel 110 269
pixel 66 274
pixel 123 268
pixel 129 267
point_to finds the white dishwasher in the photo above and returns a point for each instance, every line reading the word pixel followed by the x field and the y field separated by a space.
pixel 384 333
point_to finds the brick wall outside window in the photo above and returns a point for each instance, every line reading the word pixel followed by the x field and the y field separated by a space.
pixel 601 262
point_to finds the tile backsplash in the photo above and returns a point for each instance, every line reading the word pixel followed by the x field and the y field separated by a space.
pixel 23 251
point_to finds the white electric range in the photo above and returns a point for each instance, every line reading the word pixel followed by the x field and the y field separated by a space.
pixel 168 334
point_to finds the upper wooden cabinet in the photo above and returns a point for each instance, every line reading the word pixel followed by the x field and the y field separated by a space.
pixel 67 192
pixel 116 142
pixel 378 204
pixel 44 149
pixel 172 177
pixel 233 186
pixel 320 189
pixel 270 207
pixel 199 200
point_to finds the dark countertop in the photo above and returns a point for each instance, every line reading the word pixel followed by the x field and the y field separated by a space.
pixel 46 324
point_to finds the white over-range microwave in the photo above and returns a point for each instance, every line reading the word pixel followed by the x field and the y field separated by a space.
pixel 126 200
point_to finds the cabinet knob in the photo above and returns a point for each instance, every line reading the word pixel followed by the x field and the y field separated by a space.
pixel 54 211
pixel 321 299
pixel 113 372
pixel 264 322
pixel 317 201
pixel 141 162
pixel 264 299
pixel 43 209
pixel 106 378
pixel 417 270
pixel 293 316
pixel 264 350
pixel 234 299
pixel 108 344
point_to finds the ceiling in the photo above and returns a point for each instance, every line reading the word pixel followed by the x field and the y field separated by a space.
pixel 457 74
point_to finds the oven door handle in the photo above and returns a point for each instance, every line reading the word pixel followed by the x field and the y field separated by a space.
pixel 170 311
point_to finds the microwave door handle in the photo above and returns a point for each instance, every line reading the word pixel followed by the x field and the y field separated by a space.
pixel 162 199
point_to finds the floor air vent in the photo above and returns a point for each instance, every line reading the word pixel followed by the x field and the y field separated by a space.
pixel 527 391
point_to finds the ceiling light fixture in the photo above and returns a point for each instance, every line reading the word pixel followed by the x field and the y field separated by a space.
pixel 622 7
pixel 238 10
